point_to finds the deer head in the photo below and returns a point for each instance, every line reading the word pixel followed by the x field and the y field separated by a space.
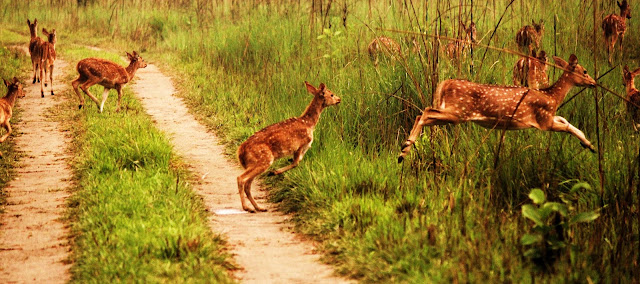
pixel 575 73
pixel 51 36
pixel 628 77
pixel 14 86
pixel 325 95
pixel 470 31
pixel 136 60
pixel 625 11
pixel 33 27
pixel 539 27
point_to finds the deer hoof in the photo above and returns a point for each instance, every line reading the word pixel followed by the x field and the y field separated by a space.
pixel 400 159
pixel 52 93
pixel 270 174
pixel 45 84
pixel 42 94
pixel 261 209
pixel 590 147
pixel 34 80
pixel 79 106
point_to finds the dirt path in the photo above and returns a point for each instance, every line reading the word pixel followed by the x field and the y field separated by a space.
pixel 33 242
pixel 262 243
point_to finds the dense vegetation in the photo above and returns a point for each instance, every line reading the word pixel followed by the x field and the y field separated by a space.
pixel 454 210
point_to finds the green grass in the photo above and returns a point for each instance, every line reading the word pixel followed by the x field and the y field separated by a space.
pixel 450 212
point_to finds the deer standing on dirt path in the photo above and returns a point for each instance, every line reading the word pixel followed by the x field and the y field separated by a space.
pixel 633 96
pixel 457 49
pixel 14 90
pixel 35 44
pixel 510 108
pixel 47 58
pixel 383 46
pixel 106 73
pixel 614 26
pixel 290 137
pixel 528 36
pixel 531 72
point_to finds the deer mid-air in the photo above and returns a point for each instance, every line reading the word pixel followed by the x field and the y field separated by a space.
pixel 14 90
pixel 500 107
pixel 529 36
pixel 457 49
pixel 633 96
pixel 106 73
pixel 615 26
pixel 35 45
pixel 290 137
pixel 531 71
pixel 383 46
pixel 47 58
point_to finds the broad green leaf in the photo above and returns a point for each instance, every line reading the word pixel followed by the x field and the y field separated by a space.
pixel 558 207
pixel 532 214
pixel 584 217
pixel 528 239
pixel 580 185
pixel 537 196
pixel 320 36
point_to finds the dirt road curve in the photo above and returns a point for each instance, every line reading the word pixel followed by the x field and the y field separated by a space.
pixel 262 243
pixel 33 240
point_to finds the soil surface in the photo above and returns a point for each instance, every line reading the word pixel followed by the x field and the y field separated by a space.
pixel 263 244
pixel 33 239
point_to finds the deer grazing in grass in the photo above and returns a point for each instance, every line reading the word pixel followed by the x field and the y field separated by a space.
pixel 106 73
pixel 383 46
pixel 457 49
pixel 35 44
pixel 531 71
pixel 615 26
pixel 14 90
pixel 290 137
pixel 633 96
pixel 529 36
pixel 510 108
pixel 47 58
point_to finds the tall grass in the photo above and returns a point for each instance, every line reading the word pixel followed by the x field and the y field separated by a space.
pixel 451 212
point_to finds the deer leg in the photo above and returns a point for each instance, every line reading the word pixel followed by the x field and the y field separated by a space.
pixel 119 89
pixel 429 117
pixel 75 85
pixel 42 71
pixel 7 127
pixel 105 94
pixel 560 124
pixel 35 71
pixel 244 187
pixel 85 87
pixel 297 157
pixel 51 77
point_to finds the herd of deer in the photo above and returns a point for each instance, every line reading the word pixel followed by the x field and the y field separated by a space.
pixel 530 104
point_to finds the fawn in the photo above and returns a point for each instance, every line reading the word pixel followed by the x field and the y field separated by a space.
pixel 106 73
pixel 35 44
pixel 14 90
pixel 528 36
pixel 290 137
pixel 614 26
pixel 531 71
pixel 47 58
pixel 455 49
pixel 510 108
pixel 633 96
pixel 383 45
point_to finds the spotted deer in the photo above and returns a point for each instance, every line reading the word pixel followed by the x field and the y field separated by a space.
pixel 47 58
pixel 500 107
pixel 383 46
pixel 529 36
pixel 107 74
pixel 531 71
pixel 14 90
pixel 457 49
pixel 35 45
pixel 633 96
pixel 615 26
pixel 290 137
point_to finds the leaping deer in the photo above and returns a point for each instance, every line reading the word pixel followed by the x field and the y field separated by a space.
pixel 14 90
pixel 290 137
pixel 47 58
pixel 35 44
pixel 529 36
pixel 106 73
pixel 510 108
pixel 633 96
pixel 614 26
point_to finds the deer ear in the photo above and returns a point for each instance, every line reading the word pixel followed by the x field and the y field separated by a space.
pixel 636 72
pixel 573 60
pixel 311 88
pixel 619 5
pixel 5 82
pixel 28 22
pixel 321 87
pixel 560 62
pixel 129 55
pixel 35 21
pixel 135 53
pixel 45 32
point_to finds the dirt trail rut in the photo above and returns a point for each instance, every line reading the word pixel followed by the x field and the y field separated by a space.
pixel 262 244
pixel 33 242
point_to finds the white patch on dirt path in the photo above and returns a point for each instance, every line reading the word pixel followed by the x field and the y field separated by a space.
pixel 263 244
pixel 33 239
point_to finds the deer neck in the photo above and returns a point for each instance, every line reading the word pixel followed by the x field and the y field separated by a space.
pixel 33 34
pixel 311 115
pixel 131 70
pixel 631 86
pixel 560 88
pixel 11 97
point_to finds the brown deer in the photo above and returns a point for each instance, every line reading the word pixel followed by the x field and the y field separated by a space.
pixel 35 45
pixel 14 90
pixel 457 49
pixel 501 107
pixel 290 137
pixel 47 58
pixel 383 46
pixel 529 36
pixel 633 96
pixel 531 71
pixel 106 73
pixel 615 26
